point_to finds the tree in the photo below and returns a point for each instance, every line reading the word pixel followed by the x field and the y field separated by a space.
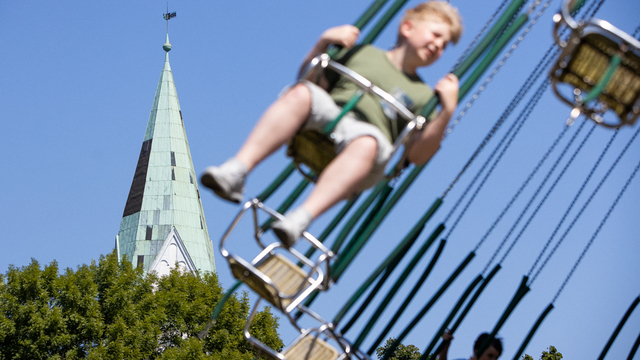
pixel 402 352
pixel 552 354
pixel 110 310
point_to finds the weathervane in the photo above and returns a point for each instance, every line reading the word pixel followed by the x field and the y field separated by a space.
pixel 168 16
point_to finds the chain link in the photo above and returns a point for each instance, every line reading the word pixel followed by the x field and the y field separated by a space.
pixel 501 63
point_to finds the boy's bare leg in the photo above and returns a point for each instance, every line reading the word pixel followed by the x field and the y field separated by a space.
pixel 338 181
pixel 341 177
pixel 277 125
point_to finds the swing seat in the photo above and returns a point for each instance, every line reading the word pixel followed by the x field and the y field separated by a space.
pixel 589 63
pixel 281 282
pixel 316 343
pixel 315 150
pixel 312 149
pixel 311 348
pixel 273 273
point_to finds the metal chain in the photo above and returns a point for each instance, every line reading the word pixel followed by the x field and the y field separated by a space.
pixel 533 77
pixel 468 50
pixel 595 191
pixel 595 234
pixel 537 191
pixel 501 63
pixel 551 188
pixel 549 56
pixel 589 12
pixel 524 184
pixel 519 122
pixel 475 96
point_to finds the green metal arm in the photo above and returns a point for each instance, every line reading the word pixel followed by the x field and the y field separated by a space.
pixel 520 293
pixel 427 353
pixel 402 248
pixel 469 305
pixel 491 35
pixel 218 309
pixel 396 286
pixel 277 182
pixel 426 308
pixel 353 220
pixel 332 225
pixel 493 52
pixel 409 298
pixel 532 332
pixel 382 23
pixel 372 294
pixel 616 59
pixel 618 328
pixel 373 210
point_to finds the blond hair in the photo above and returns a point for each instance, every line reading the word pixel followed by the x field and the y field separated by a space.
pixel 440 10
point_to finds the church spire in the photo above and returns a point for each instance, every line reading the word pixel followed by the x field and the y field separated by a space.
pixel 163 215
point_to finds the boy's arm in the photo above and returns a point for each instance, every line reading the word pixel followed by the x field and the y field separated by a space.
pixel 344 35
pixel 427 142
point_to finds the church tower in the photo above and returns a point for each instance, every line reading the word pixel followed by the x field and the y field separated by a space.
pixel 163 223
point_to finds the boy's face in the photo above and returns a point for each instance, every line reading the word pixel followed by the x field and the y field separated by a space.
pixel 426 39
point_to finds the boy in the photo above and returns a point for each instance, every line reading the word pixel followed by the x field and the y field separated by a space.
pixel 493 352
pixel 362 138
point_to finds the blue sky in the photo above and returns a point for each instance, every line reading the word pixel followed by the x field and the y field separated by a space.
pixel 78 84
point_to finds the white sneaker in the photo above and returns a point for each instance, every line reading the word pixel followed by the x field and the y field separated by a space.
pixel 226 180
pixel 291 228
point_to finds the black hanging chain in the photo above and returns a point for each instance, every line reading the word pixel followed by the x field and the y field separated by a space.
pixel 595 191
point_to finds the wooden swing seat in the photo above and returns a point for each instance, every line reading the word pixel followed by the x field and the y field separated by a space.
pixel 311 348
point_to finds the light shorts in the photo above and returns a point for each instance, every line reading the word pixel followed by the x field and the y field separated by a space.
pixel 324 110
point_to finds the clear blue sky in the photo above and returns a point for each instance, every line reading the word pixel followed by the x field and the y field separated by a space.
pixel 78 84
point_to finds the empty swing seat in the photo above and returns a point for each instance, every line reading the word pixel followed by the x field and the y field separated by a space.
pixel 273 274
pixel 277 279
pixel 311 348
pixel 316 343
pixel 601 66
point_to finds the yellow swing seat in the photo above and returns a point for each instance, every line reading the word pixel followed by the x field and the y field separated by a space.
pixel 598 58
pixel 322 342
pixel 312 149
pixel 273 273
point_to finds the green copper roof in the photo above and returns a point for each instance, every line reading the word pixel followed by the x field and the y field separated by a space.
pixel 164 193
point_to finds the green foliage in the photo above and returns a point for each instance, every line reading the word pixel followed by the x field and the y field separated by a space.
pixel 110 310
pixel 402 352
pixel 552 354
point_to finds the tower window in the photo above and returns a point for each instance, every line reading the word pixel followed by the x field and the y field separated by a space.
pixel 190 178
pixel 140 261
pixel 173 174
pixel 149 232
pixel 173 158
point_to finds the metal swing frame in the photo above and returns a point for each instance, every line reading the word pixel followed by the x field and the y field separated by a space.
pixel 312 343
pixel 322 144
pixel 602 63
pixel 272 273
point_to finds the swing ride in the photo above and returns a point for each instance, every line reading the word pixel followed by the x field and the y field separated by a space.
pixel 593 66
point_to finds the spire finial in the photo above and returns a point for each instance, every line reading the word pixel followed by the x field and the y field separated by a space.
pixel 167 16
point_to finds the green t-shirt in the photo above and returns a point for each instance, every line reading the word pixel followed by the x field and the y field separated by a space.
pixel 373 64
